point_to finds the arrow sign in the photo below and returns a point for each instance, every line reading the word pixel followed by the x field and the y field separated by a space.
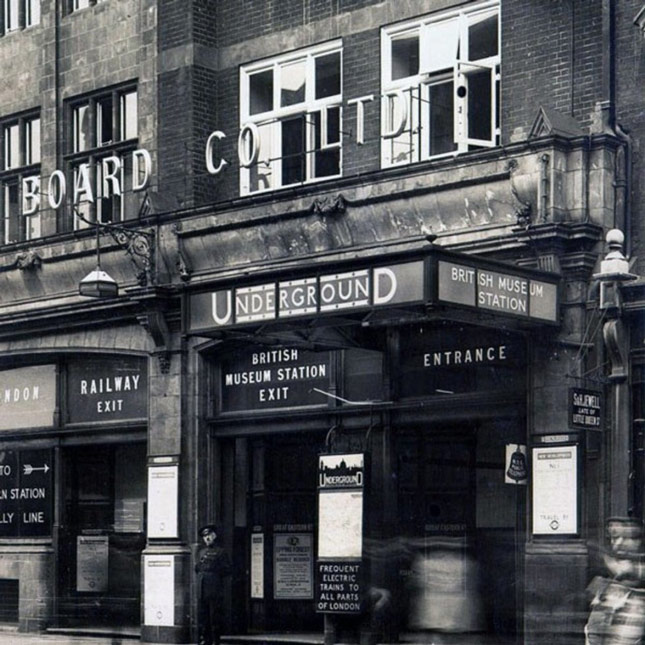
pixel 28 468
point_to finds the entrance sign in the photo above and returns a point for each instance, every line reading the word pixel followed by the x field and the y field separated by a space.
pixel 163 490
pixel 257 566
pixel 555 490
pixel 496 291
pixel 585 409
pixel 439 277
pixel 159 590
pixel 27 397
pixel 274 378
pixel 107 389
pixel 26 493
pixel 92 553
pixel 293 562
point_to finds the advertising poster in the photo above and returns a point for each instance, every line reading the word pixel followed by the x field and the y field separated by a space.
pixel 293 566
pixel 555 490
pixel 162 501
pixel 159 590
pixel 92 563
pixel 257 565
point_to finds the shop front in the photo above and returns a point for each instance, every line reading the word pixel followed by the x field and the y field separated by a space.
pixel 423 388
pixel 73 491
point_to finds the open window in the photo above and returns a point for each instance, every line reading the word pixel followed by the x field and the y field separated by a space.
pixel 440 85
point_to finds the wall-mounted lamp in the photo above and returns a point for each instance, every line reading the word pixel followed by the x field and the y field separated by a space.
pixel 138 244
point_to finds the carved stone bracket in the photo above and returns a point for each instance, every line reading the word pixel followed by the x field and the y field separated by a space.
pixel 523 208
pixel 28 260
pixel 154 322
pixel 329 205
pixel 182 261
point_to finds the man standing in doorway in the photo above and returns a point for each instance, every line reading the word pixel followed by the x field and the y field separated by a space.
pixel 212 566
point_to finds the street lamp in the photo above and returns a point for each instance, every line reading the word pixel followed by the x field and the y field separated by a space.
pixel 98 283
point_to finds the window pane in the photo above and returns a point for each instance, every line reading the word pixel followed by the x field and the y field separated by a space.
pixel 261 173
pixel 83 205
pixel 11 16
pixel 328 75
pixel 404 148
pixel 292 83
pixel 443 45
pixel 405 56
pixel 479 105
pixel 326 163
pixel 32 12
pixel 32 141
pixel 11 147
pixel 261 92
pixel 81 4
pixel 81 128
pixel 104 121
pixel 293 150
pixel 482 38
pixel 441 118
pixel 129 116
pixel 12 220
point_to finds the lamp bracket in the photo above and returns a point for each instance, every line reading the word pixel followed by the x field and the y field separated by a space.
pixel 138 243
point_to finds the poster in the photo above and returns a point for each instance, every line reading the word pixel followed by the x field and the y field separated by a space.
pixel 555 490
pixel 159 590
pixel 162 501
pixel 293 565
pixel 257 565
pixel 92 563
pixel 340 532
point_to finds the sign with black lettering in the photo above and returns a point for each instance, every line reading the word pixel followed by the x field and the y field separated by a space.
pixel 26 493
pixel 107 389
pixel 585 409
pixel 274 378
pixel 27 397
pixel 340 587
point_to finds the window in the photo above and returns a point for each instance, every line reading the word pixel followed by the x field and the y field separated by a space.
pixel 104 130
pixel 18 14
pixel 290 119
pixel 76 5
pixel 20 179
pixel 440 82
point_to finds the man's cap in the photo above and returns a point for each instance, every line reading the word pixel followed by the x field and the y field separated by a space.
pixel 207 528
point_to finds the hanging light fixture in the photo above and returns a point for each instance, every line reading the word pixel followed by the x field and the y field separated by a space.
pixel 98 283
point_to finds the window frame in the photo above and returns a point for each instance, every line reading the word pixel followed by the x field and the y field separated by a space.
pixel 95 149
pixel 16 15
pixel 458 70
pixel 16 174
pixel 315 128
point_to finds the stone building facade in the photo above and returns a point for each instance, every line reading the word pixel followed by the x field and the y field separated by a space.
pixel 361 319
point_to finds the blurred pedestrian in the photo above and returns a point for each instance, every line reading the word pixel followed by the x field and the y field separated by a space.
pixel 212 567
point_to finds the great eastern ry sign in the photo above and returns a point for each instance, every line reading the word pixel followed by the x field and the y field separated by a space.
pixel 439 278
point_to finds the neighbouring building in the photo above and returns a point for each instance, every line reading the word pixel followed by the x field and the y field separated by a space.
pixel 336 275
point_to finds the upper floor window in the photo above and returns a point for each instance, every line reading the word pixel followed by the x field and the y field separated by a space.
pixel 290 118
pixel 103 130
pixel 19 14
pixel 440 84
pixel 75 5
pixel 20 179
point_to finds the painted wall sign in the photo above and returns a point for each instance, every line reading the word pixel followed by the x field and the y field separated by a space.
pixel 107 389
pixel 26 493
pixel 293 566
pixel 27 397
pixel 273 378
pixel 585 409
pixel 159 590
pixel 555 490
pixel 497 291
pixel 257 565
pixel 340 587
pixel 163 492
pixel 375 287
pixel 92 553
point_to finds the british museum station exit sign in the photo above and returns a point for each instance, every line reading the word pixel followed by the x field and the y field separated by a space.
pixel 439 278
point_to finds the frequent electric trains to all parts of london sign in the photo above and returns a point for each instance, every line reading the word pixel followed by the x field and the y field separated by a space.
pixel 446 279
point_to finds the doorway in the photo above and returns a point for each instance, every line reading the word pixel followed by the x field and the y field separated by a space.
pixel 102 535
